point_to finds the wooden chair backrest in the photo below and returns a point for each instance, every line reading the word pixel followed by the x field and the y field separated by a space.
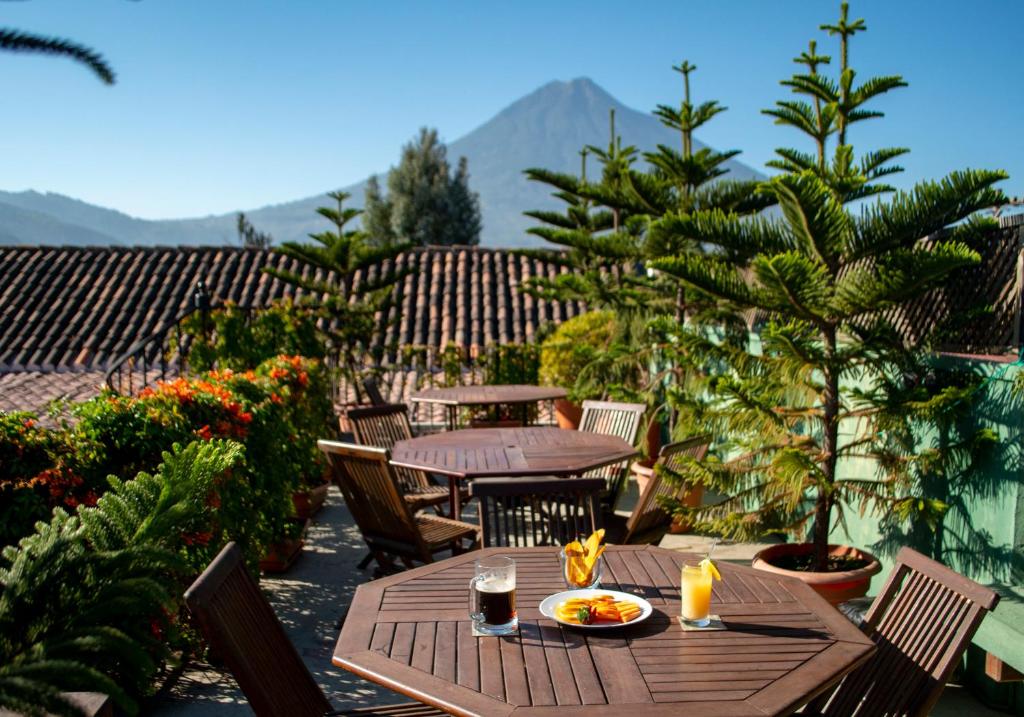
pixel 648 513
pixel 373 391
pixel 922 622
pixel 610 418
pixel 382 427
pixel 520 512
pixel 368 484
pixel 238 622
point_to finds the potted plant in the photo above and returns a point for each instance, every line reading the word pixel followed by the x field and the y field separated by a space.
pixel 565 354
pixel 309 499
pixel 279 556
pixel 828 378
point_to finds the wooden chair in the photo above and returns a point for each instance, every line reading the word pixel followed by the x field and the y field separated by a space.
pixel 373 392
pixel 239 624
pixel 368 483
pixel 922 622
pixel 520 512
pixel 612 419
pixel 648 513
pixel 382 427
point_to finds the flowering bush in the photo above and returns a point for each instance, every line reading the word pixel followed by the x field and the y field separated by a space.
pixel 34 478
pixel 276 412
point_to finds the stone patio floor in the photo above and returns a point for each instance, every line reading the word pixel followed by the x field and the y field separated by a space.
pixel 312 597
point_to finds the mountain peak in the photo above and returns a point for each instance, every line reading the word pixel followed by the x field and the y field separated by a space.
pixel 579 94
pixel 545 128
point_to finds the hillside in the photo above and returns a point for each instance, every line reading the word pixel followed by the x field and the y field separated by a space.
pixel 546 129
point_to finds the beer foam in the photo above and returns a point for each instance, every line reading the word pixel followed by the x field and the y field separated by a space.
pixel 495 585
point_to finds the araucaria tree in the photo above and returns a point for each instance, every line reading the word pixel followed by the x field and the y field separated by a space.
pixel 426 202
pixel 249 236
pixel 603 235
pixel 827 377
pixel 348 305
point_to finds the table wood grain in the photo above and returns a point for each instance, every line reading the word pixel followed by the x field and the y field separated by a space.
pixel 784 644
pixel 509 394
pixel 455 397
pixel 508 452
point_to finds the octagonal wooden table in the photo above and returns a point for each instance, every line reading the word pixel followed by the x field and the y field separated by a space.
pixel 783 644
pixel 508 452
pixel 455 397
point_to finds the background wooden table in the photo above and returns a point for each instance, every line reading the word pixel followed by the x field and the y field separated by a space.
pixel 455 397
pixel 508 452
pixel 784 645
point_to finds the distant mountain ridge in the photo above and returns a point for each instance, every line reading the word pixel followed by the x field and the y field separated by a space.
pixel 546 128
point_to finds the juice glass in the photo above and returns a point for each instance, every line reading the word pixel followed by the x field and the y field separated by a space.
pixel 695 583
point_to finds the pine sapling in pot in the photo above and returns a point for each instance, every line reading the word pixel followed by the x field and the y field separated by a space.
pixel 820 382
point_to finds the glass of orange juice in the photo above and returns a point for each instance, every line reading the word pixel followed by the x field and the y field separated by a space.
pixel 695 583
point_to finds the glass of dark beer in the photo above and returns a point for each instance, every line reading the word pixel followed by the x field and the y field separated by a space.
pixel 492 596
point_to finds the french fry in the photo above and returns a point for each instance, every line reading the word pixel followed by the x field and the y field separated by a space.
pixel 603 609
pixel 590 547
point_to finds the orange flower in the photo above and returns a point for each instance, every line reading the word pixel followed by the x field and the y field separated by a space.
pixel 205 433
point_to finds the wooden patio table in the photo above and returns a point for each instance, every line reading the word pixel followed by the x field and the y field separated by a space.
pixel 454 397
pixel 784 644
pixel 508 452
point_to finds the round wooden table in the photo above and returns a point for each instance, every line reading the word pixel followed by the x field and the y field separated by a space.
pixel 455 397
pixel 508 452
pixel 782 646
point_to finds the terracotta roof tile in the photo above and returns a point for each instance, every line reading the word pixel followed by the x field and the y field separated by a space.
pixel 34 390
pixel 70 308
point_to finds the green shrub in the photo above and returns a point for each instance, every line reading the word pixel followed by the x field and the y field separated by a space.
pixel 239 339
pixel 87 602
pixel 574 345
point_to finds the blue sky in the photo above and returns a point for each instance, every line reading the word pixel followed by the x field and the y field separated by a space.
pixel 235 104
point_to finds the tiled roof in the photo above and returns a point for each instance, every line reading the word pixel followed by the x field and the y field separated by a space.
pixel 34 390
pixel 80 308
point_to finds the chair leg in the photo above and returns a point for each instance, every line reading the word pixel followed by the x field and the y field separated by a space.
pixel 365 562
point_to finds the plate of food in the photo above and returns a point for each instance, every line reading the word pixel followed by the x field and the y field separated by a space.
pixel 595 609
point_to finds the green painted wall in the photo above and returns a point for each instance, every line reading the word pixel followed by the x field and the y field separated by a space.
pixel 982 534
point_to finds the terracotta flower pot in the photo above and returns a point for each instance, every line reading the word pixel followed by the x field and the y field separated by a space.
pixel 835 587
pixel 309 501
pixel 568 414
pixel 280 556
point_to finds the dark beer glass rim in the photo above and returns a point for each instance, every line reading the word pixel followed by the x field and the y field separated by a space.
pixel 491 562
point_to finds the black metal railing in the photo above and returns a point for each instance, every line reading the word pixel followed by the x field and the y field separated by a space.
pixel 161 355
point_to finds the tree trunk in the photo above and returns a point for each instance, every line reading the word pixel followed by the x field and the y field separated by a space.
pixel 829 445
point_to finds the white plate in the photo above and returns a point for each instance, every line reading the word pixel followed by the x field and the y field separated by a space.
pixel 547 607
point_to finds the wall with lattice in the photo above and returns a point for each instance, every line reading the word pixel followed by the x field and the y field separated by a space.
pixel 979 310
